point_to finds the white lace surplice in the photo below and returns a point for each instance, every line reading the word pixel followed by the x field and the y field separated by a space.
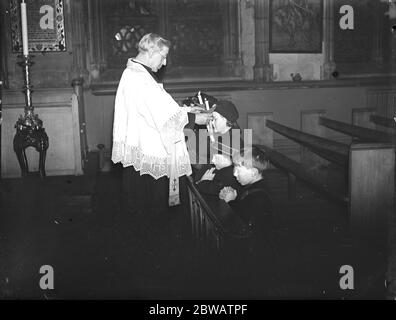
pixel 148 126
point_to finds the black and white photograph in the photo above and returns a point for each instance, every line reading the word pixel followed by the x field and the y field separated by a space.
pixel 166 151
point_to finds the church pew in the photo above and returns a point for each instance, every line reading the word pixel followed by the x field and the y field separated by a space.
pixel 309 123
pixel 370 169
pixel 371 189
pixel 296 169
pixel 384 122
pixel 214 224
pixel 361 117
pixel 331 150
pixel 364 134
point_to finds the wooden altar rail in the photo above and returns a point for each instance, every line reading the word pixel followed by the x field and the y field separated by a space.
pixel 214 224
pixel 384 122
pixel 370 167
pixel 363 134
pixel 331 150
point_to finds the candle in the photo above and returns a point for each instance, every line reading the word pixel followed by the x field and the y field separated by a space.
pixel 24 29
pixel 207 104
pixel 199 97
pixel 210 124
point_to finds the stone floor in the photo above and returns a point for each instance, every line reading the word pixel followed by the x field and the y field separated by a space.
pixel 97 251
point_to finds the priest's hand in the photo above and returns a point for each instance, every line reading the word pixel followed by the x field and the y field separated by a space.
pixel 193 108
pixel 203 118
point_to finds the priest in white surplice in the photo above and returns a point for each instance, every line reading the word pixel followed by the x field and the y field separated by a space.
pixel 148 136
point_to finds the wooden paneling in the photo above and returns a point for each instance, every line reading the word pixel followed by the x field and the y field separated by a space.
pixel 261 134
pixel 383 101
pixel 371 188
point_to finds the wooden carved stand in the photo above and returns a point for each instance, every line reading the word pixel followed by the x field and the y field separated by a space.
pixel 29 128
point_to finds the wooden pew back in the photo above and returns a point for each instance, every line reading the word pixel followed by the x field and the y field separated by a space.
pixel 370 168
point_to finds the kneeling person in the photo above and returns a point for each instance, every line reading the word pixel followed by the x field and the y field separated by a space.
pixel 252 202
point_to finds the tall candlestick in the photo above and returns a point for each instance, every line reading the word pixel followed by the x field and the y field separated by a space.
pixel 24 29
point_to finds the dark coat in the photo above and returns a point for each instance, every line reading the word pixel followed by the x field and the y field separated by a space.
pixel 255 207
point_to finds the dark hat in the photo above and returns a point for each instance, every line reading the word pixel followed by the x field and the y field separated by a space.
pixel 227 109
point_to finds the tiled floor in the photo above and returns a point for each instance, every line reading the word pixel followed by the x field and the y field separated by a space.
pixel 75 225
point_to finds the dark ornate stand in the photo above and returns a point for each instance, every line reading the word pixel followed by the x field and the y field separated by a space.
pixel 29 128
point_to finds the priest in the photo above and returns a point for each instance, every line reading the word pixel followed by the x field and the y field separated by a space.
pixel 148 136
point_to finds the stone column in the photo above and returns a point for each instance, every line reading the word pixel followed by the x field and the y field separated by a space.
pixel 262 68
pixel 392 20
pixel 231 31
pixel 78 15
pixel 329 65
pixel 96 50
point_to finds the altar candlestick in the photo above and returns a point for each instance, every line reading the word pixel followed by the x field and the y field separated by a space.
pixel 24 29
